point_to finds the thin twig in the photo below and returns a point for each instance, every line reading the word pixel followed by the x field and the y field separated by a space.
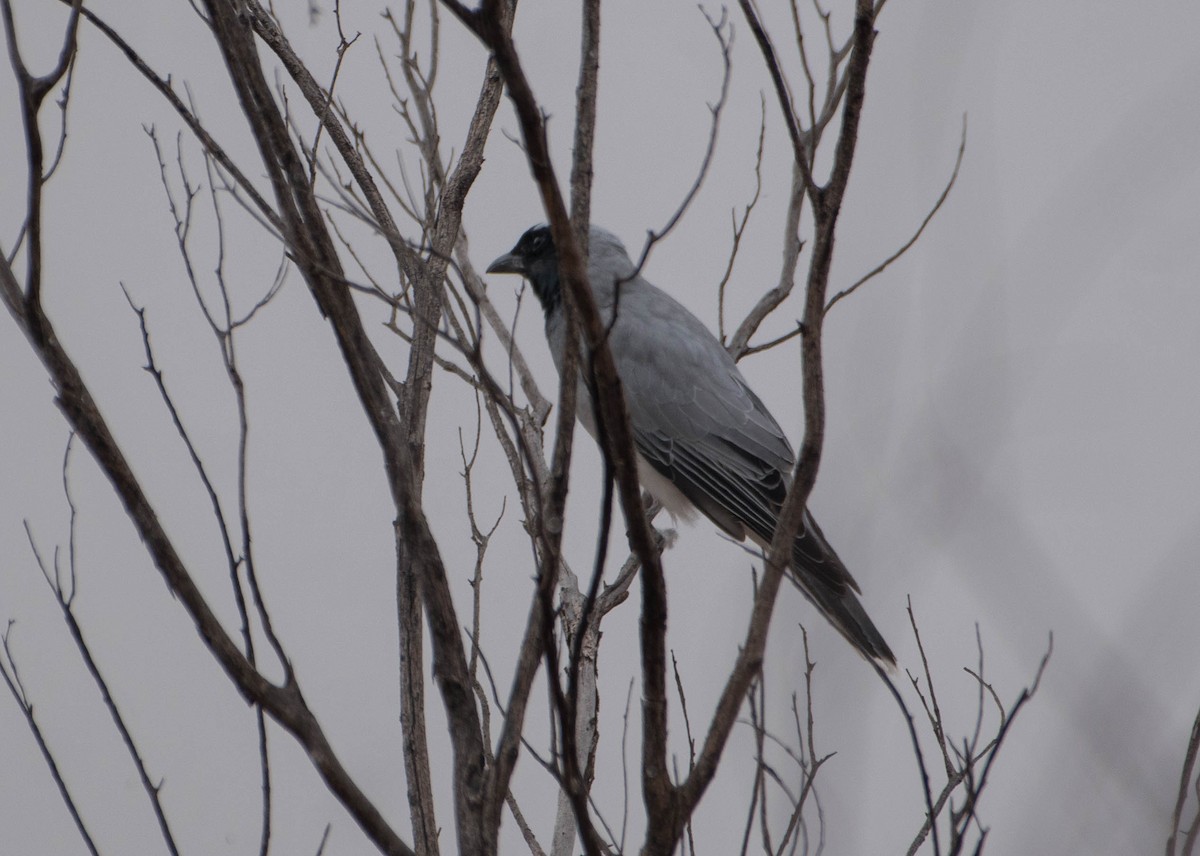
pixel 904 248
pixel 1185 780
pixel 723 32
pixel 64 599
pixel 12 679
pixel 739 224
pixel 935 715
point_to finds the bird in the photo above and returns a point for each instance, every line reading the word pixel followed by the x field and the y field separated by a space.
pixel 705 442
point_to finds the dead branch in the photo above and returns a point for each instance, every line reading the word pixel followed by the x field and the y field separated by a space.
pixel 904 248
pixel 1185 784
pixel 12 679
pixel 826 202
pixel 64 596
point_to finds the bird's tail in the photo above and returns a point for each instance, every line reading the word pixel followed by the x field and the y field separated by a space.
pixel 845 612
pixel 822 577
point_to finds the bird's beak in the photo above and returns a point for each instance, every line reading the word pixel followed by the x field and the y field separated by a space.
pixel 507 263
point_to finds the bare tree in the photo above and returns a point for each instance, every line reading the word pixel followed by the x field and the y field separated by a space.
pixel 327 197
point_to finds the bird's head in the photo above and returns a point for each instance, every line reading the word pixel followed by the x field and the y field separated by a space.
pixel 534 258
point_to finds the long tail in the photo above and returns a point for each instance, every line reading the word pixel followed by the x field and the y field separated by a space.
pixel 846 613
pixel 823 578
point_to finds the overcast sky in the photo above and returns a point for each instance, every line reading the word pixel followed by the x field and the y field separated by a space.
pixel 1013 425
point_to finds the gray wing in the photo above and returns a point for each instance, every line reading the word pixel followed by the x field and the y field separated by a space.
pixel 699 425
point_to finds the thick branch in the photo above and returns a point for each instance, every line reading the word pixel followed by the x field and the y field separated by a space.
pixel 608 400
pixel 827 203
pixel 311 246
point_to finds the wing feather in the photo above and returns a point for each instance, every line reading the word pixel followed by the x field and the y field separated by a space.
pixel 696 421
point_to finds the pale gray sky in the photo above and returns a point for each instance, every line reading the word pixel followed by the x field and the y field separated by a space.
pixel 1014 423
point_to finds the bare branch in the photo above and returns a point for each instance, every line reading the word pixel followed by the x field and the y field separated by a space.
pixel 826 206
pixel 12 679
pixel 739 225
pixel 285 703
pixel 165 88
pixel 31 91
pixel 719 28
pixel 935 715
pixel 800 151
pixel 318 100
pixel 1185 783
pixel 608 402
pixel 585 122
pixel 739 345
pixel 882 266
pixel 64 598
pixel 966 774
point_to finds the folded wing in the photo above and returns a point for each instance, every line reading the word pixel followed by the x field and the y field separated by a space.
pixel 699 425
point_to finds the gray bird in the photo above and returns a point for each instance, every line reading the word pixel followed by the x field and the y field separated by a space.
pixel 705 441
